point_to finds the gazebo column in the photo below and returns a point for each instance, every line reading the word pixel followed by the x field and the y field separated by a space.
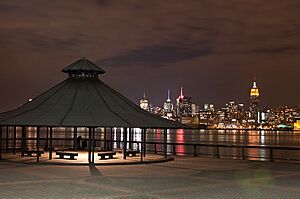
pixel 7 137
pixel 111 139
pixel 142 145
pixel 47 139
pixel 125 143
pixel 105 139
pixel 165 144
pixel 0 142
pixel 38 144
pixel 15 140
pixel 130 138
pixel 23 142
pixel 75 138
pixel 51 145
pixel 145 148
pixel 89 145
pixel 93 145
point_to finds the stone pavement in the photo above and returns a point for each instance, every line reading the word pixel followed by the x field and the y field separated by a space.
pixel 186 177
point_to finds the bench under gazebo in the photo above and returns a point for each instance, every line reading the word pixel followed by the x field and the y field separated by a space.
pixel 80 101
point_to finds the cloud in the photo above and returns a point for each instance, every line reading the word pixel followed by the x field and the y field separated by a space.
pixel 8 7
pixel 42 42
pixel 157 55
pixel 275 50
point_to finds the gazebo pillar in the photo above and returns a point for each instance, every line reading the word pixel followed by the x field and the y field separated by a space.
pixel 93 145
pixel 111 139
pixel 47 139
pixel 142 144
pixel 51 145
pixel 165 144
pixel 75 138
pixel 7 136
pixel 129 138
pixel 125 143
pixel 0 142
pixel 89 145
pixel 15 140
pixel 38 144
pixel 23 142
pixel 144 148
pixel 105 139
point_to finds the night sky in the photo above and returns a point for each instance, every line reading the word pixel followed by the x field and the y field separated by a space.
pixel 210 47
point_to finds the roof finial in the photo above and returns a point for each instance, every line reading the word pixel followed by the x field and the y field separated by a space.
pixel 169 95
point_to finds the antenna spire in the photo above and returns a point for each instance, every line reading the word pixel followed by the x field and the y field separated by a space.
pixel 254 80
pixel 181 91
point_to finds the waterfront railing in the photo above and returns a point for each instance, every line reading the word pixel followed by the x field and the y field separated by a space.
pixel 245 152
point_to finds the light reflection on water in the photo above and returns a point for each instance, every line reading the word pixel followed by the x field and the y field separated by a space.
pixel 232 137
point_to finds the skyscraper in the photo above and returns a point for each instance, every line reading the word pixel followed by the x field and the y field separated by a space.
pixel 183 105
pixel 144 103
pixel 168 106
pixel 254 103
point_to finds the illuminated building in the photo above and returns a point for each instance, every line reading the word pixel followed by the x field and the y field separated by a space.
pixel 144 103
pixel 195 109
pixel 183 105
pixel 254 104
pixel 168 107
pixel 297 123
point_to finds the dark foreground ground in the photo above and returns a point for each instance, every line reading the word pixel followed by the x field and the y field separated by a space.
pixel 183 178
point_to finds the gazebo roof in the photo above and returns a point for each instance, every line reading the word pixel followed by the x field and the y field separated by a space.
pixel 83 101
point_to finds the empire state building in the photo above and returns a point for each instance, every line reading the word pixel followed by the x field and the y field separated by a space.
pixel 254 102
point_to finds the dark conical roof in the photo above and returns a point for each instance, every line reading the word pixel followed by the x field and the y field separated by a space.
pixel 83 65
pixel 82 101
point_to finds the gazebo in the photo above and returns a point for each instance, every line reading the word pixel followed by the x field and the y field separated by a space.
pixel 82 100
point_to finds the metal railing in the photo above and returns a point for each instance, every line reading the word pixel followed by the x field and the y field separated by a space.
pixel 197 149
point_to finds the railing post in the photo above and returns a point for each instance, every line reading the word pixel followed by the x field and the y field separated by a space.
pixel 243 152
pixel 218 153
pixel 165 144
pixel 15 140
pixel 0 142
pixel 23 142
pixel 155 149
pixel 271 155
pixel 174 149
pixel 195 150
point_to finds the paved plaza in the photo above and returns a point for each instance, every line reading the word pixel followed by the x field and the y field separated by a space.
pixel 186 177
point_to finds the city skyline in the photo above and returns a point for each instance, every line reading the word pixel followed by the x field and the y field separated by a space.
pixel 170 95
pixel 210 48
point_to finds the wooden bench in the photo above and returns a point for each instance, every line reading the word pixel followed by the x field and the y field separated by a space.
pixel 104 154
pixel 62 154
pixel 132 152
pixel 30 152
